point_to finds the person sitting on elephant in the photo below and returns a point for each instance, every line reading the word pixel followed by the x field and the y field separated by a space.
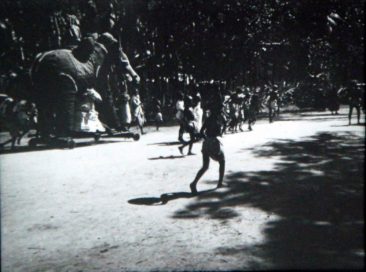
pixel 84 50
pixel 108 109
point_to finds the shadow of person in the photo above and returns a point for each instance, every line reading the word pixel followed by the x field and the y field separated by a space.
pixel 45 147
pixel 165 198
pixel 167 157
pixel 150 201
pixel 166 143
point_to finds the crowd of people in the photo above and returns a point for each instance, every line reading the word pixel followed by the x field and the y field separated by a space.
pixel 225 114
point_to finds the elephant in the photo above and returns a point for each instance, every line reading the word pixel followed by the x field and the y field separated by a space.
pixel 60 76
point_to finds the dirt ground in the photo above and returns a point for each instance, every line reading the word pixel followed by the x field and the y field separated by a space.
pixel 293 198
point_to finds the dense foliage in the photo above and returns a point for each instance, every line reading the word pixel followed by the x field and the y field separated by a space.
pixel 176 44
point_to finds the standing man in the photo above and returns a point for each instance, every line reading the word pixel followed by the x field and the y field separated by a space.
pixel 107 82
pixel 179 115
pixel 355 100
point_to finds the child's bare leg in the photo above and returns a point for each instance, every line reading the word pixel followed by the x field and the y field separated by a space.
pixel 221 170
pixel 250 122
pixel 183 146
pixel 180 133
pixel 141 129
pixel 192 139
pixel 190 148
pixel 206 163
pixel 21 136
pixel 350 114
pixel 358 115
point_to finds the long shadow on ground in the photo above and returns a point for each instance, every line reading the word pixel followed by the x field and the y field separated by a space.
pixel 164 198
pixel 167 143
pixel 167 157
pixel 314 118
pixel 316 189
pixel 26 148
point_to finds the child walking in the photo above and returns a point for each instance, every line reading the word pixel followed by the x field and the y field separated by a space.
pixel 189 125
pixel 211 147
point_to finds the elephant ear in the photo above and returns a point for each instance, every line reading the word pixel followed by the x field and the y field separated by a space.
pixel 107 40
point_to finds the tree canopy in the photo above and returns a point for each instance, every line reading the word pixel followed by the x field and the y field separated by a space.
pixel 237 41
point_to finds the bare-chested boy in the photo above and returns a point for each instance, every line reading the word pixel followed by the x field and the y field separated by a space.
pixel 211 147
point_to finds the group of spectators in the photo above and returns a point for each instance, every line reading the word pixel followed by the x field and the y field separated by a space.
pixel 244 103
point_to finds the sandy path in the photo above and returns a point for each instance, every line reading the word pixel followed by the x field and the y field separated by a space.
pixel 98 208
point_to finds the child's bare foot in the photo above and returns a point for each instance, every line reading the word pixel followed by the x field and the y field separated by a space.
pixel 190 153
pixel 219 185
pixel 181 149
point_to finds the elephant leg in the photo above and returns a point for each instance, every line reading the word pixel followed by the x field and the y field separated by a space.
pixel 65 106
pixel 45 119
pixel 65 114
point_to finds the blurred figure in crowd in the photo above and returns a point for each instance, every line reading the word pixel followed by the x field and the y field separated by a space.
pixel 189 125
pixel 125 111
pixel 179 115
pixel 158 114
pixel 332 100
pixel 355 99
pixel 138 115
pixel 197 111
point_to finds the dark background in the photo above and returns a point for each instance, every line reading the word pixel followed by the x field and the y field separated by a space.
pixel 184 44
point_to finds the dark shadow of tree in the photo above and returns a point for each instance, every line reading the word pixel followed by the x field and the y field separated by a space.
pixel 317 190
pixel 315 118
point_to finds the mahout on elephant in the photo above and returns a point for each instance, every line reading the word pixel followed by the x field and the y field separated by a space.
pixel 61 76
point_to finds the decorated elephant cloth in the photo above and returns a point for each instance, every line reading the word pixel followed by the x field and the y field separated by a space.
pixel 86 117
pixel 56 62
pixel 88 121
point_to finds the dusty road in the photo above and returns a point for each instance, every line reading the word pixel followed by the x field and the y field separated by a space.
pixel 293 198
